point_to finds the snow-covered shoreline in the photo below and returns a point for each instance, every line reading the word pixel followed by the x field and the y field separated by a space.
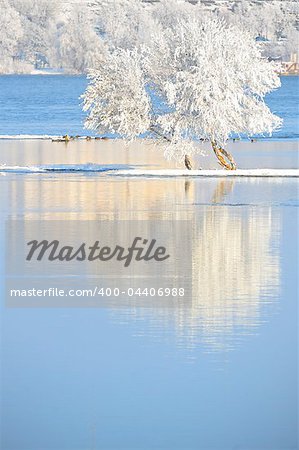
pixel 26 137
pixel 123 171
pixel 21 137
pixel 285 173
pixel 55 137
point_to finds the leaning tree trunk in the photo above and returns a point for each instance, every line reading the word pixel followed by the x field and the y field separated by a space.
pixel 225 159
pixel 188 164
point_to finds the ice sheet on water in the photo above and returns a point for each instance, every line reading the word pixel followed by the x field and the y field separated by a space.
pixel 65 168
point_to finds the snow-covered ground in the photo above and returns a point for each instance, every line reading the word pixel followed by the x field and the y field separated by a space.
pixel 120 171
pixel 210 173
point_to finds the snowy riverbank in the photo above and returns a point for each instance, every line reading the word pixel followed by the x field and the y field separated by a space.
pixel 120 171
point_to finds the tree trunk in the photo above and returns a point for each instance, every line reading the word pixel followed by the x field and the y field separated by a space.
pixel 188 164
pixel 225 159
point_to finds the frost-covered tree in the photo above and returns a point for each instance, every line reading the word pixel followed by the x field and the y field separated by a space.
pixel 10 34
pixel 275 21
pixel 79 45
pixel 169 12
pixel 52 33
pixel 38 30
pixel 117 97
pixel 210 78
pixel 124 23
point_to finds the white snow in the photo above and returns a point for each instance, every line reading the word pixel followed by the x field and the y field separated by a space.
pixel 35 136
pixel 27 136
pixel 20 169
pixel 125 171
pixel 210 173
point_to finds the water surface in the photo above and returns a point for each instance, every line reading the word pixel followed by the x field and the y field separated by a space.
pixel 219 373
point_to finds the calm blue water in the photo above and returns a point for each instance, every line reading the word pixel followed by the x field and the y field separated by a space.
pixel 216 371
pixel 219 373
pixel 51 105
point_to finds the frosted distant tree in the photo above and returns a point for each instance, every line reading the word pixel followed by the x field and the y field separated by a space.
pixel 38 19
pixel 10 34
pixel 79 45
pixel 133 19
pixel 291 45
pixel 275 21
pixel 169 12
pixel 210 77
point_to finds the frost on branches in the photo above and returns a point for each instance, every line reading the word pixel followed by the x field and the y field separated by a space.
pixel 210 78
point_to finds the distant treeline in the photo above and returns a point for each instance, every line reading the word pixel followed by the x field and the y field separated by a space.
pixel 74 36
